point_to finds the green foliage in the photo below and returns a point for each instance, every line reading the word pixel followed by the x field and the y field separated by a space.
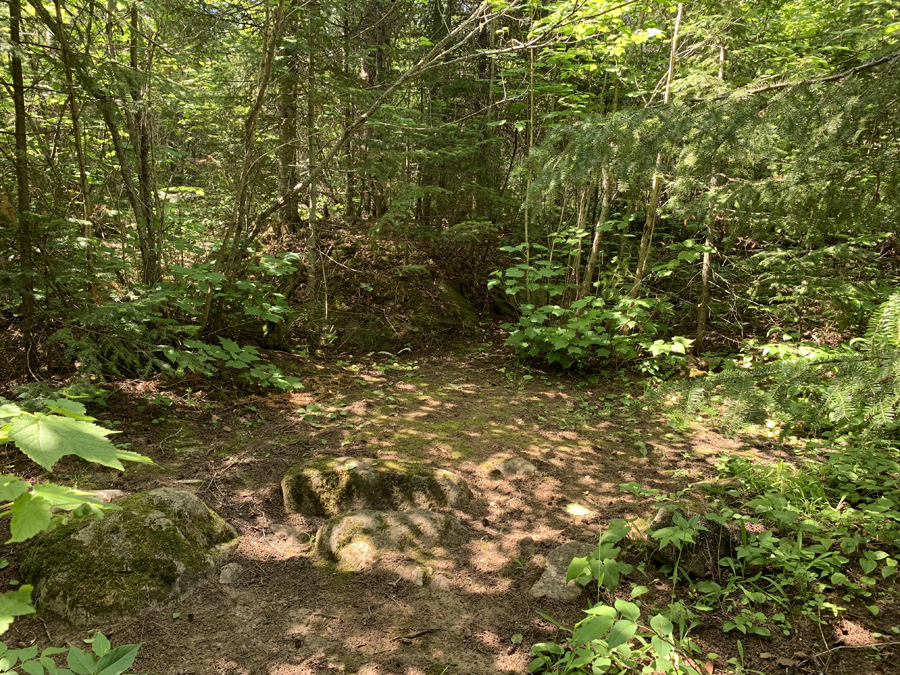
pixel 570 329
pixel 103 661
pixel 852 389
pixel 614 639
pixel 207 359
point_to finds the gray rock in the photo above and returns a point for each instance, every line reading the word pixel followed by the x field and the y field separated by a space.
pixel 330 487
pixel 517 467
pixel 552 583
pixel 230 574
pixel 710 545
pixel 441 583
pixel 359 539
pixel 149 555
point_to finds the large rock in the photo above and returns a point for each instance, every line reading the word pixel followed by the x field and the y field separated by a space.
pixel 330 487
pixel 552 583
pixel 358 540
pixel 152 553
pixel 700 559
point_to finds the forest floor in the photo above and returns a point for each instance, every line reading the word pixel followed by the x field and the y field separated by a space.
pixel 291 613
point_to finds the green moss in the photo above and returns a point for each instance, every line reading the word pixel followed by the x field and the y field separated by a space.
pixel 133 558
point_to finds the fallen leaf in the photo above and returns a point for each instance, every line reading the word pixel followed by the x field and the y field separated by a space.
pixel 786 662
pixel 766 656
pixel 708 667
pixel 803 656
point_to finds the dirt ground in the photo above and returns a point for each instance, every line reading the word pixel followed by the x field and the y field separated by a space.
pixel 291 613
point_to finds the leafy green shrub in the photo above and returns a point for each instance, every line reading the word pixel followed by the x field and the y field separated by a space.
pixel 568 329
pixel 207 359
pixel 614 639
pixel 104 660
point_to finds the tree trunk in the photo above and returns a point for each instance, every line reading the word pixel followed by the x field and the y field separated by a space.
pixel 314 273
pixel 23 202
pixel 706 265
pixel 650 222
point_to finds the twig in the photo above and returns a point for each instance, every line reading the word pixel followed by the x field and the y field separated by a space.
pixel 168 437
pixel 414 634
pixel 46 632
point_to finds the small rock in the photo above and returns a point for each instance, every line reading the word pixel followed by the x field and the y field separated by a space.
pixel 517 467
pixel 552 583
pixel 230 574
pixel 441 583
pixel 496 474
pixel 526 543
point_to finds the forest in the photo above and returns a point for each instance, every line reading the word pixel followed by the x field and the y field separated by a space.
pixel 426 337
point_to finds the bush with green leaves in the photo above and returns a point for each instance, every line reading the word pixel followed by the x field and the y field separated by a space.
pixel 614 638
pixel 103 661
pixel 45 438
pixel 141 331
pixel 559 324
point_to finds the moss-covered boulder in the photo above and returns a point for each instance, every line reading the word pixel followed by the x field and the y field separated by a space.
pixel 158 548
pixel 330 487
pixel 359 540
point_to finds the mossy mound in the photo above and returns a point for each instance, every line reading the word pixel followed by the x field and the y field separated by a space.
pixel 330 487
pixel 358 540
pixel 158 548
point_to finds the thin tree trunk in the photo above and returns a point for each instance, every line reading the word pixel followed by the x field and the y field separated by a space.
pixel 229 251
pixel 706 265
pixel 23 202
pixel 76 126
pixel 605 202
pixel 314 273
pixel 650 223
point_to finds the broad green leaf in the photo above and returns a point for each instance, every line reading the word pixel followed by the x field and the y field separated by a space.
pixel 628 609
pixel 100 645
pixel 30 516
pixel 47 438
pixel 621 633
pixel 16 603
pixel 11 487
pixel 660 646
pixel 68 408
pixel 541 647
pixel 661 625
pixel 64 497
pixel 9 411
pixel 592 628
pixel 81 662
pixel 32 668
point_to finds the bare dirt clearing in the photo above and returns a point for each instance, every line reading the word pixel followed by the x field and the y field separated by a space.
pixel 286 611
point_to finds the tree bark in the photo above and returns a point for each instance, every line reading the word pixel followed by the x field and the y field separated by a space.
pixel 23 201
pixel 653 204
